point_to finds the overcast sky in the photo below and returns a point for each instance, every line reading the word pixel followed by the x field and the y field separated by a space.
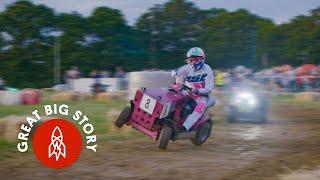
pixel 278 10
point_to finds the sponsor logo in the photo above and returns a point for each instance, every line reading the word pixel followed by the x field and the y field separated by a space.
pixel 57 142
pixel 197 78
pixel 57 148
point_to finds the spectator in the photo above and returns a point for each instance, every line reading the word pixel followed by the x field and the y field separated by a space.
pixel 95 74
pixel 105 74
pixel 73 73
pixel 2 84
pixel 291 77
pixel 97 86
pixel 219 79
pixel 119 72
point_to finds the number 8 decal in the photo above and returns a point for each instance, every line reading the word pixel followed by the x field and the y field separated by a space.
pixel 147 104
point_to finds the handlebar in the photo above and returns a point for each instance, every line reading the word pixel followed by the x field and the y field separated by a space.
pixel 178 88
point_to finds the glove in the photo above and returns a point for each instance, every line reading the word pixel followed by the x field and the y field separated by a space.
pixel 173 73
pixel 195 91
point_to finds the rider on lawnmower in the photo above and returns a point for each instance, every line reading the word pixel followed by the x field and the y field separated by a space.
pixel 199 76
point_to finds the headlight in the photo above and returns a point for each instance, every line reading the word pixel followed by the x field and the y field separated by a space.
pixel 245 97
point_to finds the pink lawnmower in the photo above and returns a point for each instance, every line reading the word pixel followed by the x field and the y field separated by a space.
pixel 159 112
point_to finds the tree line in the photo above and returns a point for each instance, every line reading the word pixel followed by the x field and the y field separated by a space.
pixel 158 40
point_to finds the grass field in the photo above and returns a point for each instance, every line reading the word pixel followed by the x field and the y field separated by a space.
pixel 96 111
pixel 289 141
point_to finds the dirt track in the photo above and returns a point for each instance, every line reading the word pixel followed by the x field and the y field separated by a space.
pixel 290 141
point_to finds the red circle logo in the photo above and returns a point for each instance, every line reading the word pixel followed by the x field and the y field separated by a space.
pixel 57 143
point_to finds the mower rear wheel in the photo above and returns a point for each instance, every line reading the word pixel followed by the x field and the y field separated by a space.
pixel 164 137
pixel 123 117
pixel 202 133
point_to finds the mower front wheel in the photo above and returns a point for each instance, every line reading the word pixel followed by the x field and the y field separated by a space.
pixel 123 117
pixel 164 137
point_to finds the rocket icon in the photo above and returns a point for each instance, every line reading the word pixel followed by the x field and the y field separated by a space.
pixel 57 148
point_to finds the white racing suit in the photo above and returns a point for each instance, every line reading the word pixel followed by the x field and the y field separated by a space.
pixel 203 80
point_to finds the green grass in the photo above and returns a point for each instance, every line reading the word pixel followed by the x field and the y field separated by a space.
pixel 94 110
pixel 6 149
pixel 97 113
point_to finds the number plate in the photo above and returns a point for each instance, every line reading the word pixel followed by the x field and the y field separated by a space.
pixel 147 104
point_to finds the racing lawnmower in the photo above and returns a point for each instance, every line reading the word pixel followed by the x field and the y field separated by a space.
pixel 248 105
pixel 159 112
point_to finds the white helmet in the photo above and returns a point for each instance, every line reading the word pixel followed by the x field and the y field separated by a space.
pixel 195 58
pixel 195 52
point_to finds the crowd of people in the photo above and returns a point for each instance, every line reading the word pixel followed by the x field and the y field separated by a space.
pixel 283 78
pixel 97 86
pixel 75 73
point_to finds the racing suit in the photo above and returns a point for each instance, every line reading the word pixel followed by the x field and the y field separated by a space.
pixel 203 80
